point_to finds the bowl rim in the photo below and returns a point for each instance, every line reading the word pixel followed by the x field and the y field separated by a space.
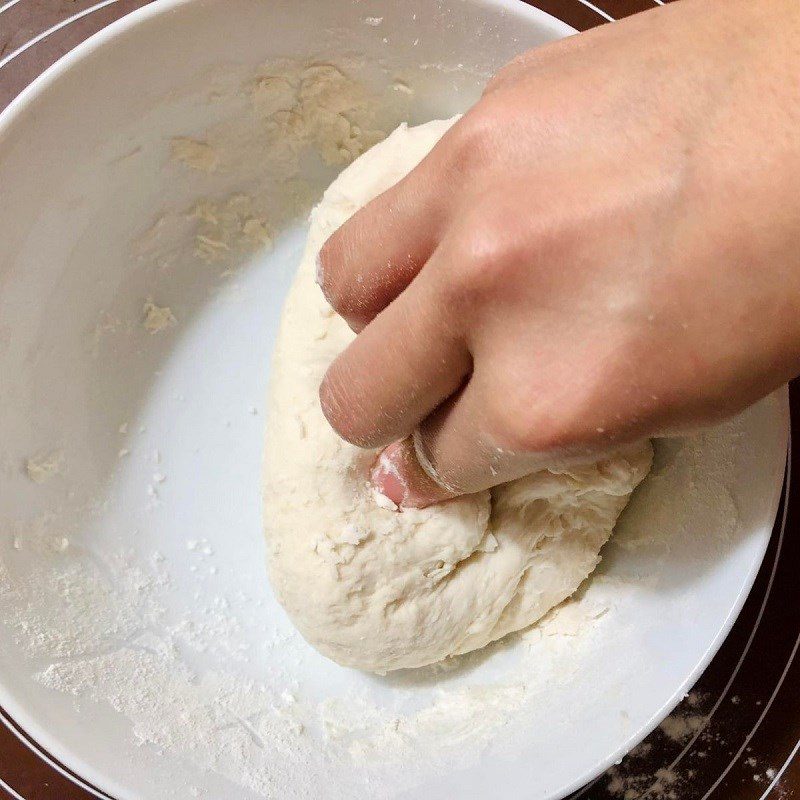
pixel 118 27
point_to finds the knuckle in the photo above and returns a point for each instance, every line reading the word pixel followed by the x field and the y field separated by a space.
pixel 484 259
pixel 495 253
pixel 507 72
pixel 525 64
pixel 469 142
pixel 521 425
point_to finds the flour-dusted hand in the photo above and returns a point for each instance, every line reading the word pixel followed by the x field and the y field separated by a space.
pixel 604 248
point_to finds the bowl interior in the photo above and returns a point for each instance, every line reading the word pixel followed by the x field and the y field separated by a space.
pixel 154 190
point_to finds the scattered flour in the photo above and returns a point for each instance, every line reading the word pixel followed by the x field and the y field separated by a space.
pixel 626 783
pixel 296 114
pixel 98 628
pixel 639 778
pixel 106 324
pixel 679 728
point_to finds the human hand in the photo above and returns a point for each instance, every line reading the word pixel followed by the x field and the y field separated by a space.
pixel 605 247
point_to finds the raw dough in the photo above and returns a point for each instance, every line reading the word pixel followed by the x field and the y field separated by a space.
pixel 378 589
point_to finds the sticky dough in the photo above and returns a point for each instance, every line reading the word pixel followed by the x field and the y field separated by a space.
pixel 379 589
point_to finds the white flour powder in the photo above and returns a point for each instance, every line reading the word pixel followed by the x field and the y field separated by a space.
pixel 99 630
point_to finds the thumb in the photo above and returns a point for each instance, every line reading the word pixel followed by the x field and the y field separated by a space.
pixel 455 451
pixel 449 454
pixel 399 476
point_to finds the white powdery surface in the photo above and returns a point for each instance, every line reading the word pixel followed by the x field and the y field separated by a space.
pixel 103 631
pixel 97 627
pixel 98 630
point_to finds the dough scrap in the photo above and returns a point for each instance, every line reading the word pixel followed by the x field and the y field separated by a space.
pixel 378 589
pixel 194 153
pixel 156 318
pixel 43 467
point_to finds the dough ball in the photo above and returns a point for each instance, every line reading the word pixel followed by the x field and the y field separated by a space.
pixel 379 589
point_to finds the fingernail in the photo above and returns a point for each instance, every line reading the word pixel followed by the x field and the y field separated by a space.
pixel 386 476
pixel 398 477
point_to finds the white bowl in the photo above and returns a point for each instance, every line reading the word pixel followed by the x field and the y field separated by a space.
pixel 140 643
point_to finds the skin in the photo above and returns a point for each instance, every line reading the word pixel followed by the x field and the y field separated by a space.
pixel 605 247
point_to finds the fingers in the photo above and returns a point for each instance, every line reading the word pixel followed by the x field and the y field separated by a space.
pixel 409 359
pixel 375 255
pixel 453 452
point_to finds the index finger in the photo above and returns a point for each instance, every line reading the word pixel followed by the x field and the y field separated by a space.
pixel 376 254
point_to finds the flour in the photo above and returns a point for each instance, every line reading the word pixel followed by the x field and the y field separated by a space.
pixel 663 784
pixel 467 718
pixel 679 728
pixel 298 114
pixel 98 630
pixel 106 325
pixel 638 779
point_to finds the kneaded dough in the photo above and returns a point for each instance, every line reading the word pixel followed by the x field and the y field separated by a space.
pixel 378 589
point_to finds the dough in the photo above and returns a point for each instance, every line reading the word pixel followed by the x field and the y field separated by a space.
pixel 378 589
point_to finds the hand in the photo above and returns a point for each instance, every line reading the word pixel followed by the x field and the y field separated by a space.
pixel 605 247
